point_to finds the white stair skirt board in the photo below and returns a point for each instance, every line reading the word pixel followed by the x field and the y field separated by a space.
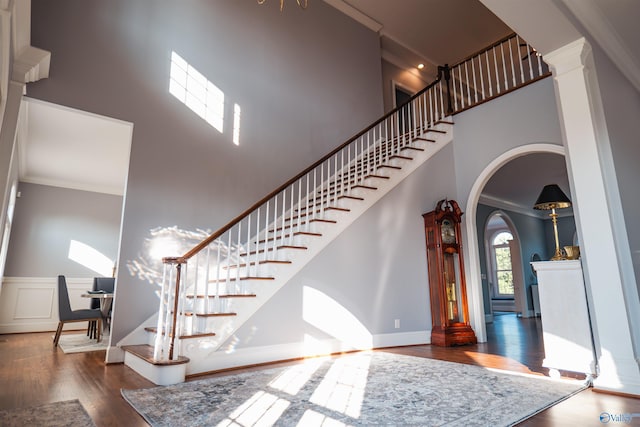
pixel 157 374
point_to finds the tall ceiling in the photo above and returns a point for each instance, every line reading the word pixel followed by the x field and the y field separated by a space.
pixel 436 32
pixel 432 32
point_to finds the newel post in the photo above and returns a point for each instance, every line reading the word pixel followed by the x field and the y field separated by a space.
pixel 171 329
pixel 445 72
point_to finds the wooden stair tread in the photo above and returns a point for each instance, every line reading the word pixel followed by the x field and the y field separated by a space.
pixel 444 122
pixel 398 156
pixel 145 352
pixel 424 139
pixel 408 147
pixel 345 196
pixel 389 167
pixel 223 296
pixel 286 236
pixel 234 279
pixel 264 261
pixel 185 336
pixel 191 313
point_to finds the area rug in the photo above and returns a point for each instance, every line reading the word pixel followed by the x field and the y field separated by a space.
pixel 79 343
pixel 57 414
pixel 361 389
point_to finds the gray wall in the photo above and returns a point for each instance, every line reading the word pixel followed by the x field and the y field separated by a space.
pixel 305 80
pixel 376 269
pixel 47 219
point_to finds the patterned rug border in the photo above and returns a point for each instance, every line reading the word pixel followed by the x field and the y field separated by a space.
pixel 54 414
pixel 415 405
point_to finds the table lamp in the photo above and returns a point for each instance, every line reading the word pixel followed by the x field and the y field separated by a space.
pixel 553 198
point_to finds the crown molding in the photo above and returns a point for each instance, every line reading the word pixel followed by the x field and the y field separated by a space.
pixel 73 185
pixel 498 203
pixel 355 14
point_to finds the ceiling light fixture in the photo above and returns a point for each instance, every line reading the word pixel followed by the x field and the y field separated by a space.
pixel 420 66
pixel 302 3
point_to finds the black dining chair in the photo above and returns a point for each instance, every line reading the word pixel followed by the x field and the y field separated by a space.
pixel 67 315
pixel 106 284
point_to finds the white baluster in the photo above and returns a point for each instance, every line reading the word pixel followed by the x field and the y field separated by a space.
pixel 238 246
pixel 217 282
pixel 206 279
pixel 481 77
pixel 473 73
pixel 229 251
pixel 157 345
pixel 539 64
pixel 441 114
pixel 284 216
pixel 247 261
pixel 307 197
pixel 299 204
pixel 489 79
pixel 433 105
pixel 504 68
pixel 315 190
pixel 495 64
pixel 513 70
pixel 266 231
pixel 256 257
pixel 291 215
pixel 466 77
pixel 530 62
pixel 455 93
pixel 520 60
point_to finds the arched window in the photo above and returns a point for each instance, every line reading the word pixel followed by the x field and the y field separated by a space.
pixel 501 256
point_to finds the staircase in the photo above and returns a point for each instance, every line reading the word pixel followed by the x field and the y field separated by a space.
pixel 210 291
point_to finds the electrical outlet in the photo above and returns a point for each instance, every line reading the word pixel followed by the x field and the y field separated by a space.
pixel 397 323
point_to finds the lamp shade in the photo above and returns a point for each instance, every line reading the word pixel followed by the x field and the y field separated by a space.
pixel 552 197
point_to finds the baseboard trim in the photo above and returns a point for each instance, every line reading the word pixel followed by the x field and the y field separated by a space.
pixel 226 360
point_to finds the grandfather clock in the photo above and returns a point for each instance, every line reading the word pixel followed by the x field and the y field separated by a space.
pixel 448 291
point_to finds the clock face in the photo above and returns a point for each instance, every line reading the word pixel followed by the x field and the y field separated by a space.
pixel 448 231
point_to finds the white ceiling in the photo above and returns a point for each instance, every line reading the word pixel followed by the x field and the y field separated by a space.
pixel 69 148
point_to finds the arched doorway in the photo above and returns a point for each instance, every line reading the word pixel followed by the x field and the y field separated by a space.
pixel 472 253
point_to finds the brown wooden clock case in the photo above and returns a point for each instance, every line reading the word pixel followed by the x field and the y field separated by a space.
pixel 448 291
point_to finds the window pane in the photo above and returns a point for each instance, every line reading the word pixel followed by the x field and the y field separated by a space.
pixel 502 238
pixel 505 282
pixel 503 259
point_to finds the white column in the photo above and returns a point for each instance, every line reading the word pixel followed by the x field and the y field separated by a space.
pixel 597 210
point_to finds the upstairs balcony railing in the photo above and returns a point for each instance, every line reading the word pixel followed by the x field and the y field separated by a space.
pixel 198 285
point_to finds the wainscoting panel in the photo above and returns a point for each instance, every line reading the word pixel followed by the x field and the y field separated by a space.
pixel 30 304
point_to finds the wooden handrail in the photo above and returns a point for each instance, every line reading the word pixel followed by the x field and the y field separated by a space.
pixel 203 244
pixel 483 50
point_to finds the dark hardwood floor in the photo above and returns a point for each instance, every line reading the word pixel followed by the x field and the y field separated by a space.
pixel 33 372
